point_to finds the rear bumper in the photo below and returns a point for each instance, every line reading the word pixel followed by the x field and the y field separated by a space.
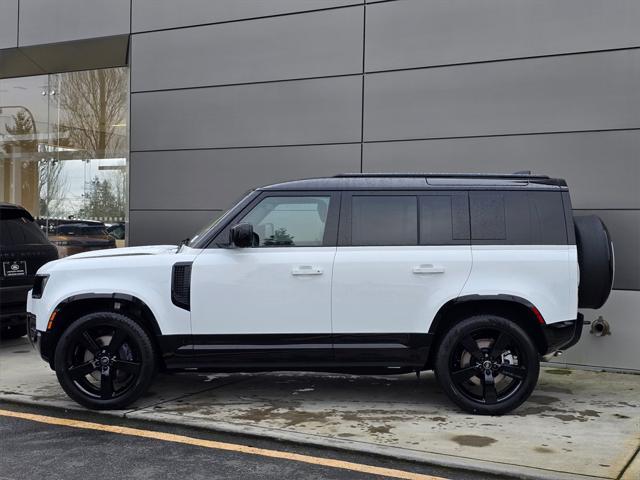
pixel 13 312
pixel 16 294
pixel 563 335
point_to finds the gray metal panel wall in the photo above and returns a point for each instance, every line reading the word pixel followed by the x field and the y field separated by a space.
pixel 218 177
pixel 8 23
pixel 46 21
pixel 163 14
pixel 274 48
pixel 325 110
pixel 602 168
pixel 167 227
pixel 419 33
pixel 579 92
pixel 624 227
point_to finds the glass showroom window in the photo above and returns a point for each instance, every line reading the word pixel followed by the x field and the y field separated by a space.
pixel 63 154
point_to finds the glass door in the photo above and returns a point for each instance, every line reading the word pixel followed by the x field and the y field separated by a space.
pixel 24 124
pixel 64 155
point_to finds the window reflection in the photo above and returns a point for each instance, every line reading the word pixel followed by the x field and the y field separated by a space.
pixel 64 150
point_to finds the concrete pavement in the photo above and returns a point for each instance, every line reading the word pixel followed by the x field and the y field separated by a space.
pixel 578 424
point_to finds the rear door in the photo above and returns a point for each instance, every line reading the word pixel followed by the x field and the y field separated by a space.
pixel 400 257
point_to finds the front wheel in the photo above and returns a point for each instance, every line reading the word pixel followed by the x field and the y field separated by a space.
pixel 487 365
pixel 104 360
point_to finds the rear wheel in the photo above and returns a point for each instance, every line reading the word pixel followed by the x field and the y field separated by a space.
pixel 105 360
pixel 487 365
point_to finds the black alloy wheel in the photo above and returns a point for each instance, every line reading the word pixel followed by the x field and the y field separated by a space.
pixel 487 365
pixel 104 360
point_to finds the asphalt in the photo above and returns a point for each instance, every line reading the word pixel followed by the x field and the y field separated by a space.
pixel 32 449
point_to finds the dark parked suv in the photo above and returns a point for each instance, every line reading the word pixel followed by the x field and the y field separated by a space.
pixel 24 248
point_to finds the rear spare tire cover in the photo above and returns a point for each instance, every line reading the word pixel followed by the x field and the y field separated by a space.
pixel 595 258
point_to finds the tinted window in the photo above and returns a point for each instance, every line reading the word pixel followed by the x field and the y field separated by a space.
pixel 518 218
pixel 289 221
pixel 92 231
pixel 67 230
pixel 384 220
pixel 487 216
pixel 444 219
pixel 20 231
pixel 547 219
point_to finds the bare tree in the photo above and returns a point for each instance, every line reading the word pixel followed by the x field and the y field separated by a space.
pixel 94 104
pixel 53 187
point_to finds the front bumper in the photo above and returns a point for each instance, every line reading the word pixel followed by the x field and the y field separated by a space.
pixel 563 335
pixel 41 341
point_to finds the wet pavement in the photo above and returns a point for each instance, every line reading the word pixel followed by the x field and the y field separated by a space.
pixel 577 424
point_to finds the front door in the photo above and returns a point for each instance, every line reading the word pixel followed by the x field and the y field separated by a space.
pixel 270 303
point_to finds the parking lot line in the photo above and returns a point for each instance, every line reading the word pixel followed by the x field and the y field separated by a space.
pixel 232 447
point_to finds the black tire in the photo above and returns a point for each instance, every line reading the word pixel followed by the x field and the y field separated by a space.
pixel 492 388
pixel 12 332
pixel 596 261
pixel 98 373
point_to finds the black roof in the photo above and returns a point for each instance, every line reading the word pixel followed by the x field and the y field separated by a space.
pixel 423 181
pixel 12 210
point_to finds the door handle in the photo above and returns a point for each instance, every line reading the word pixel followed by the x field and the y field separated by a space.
pixel 428 268
pixel 306 270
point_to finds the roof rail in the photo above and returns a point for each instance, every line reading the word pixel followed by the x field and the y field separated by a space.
pixel 518 175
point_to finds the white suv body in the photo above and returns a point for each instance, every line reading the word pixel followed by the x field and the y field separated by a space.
pixel 356 273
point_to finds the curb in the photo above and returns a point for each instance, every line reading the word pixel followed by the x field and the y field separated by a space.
pixel 432 459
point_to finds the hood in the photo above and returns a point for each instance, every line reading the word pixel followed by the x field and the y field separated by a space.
pixel 120 252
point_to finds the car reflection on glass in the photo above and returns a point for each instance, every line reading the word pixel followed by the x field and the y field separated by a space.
pixel 117 231
pixel 76 238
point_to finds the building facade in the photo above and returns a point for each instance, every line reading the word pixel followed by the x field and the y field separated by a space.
pixel 225 95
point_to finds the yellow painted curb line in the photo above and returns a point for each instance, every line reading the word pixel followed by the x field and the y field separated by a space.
pixel 198 442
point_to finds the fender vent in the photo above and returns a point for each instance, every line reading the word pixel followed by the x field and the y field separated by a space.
pixel 181 285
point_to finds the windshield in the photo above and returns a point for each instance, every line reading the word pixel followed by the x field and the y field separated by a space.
pixel 216 221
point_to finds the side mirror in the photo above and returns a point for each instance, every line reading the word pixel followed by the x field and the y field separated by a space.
pixel 241 235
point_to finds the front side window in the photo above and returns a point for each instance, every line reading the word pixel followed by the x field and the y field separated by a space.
pixel 289 221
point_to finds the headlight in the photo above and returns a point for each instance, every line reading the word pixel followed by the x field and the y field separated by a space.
pixel 39 283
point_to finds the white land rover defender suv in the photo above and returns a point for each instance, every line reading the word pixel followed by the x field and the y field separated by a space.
pixel 474 276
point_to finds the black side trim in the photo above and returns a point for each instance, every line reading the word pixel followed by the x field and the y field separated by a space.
pixel 112 296
pixel 391 349
pixel 181 285
pixel 307 351
pixel 477 298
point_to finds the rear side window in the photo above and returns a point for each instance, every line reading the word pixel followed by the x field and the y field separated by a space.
pixel 517 218
pixel 384 220
pixel 444 219
pixel 397 220
pixel 20 231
